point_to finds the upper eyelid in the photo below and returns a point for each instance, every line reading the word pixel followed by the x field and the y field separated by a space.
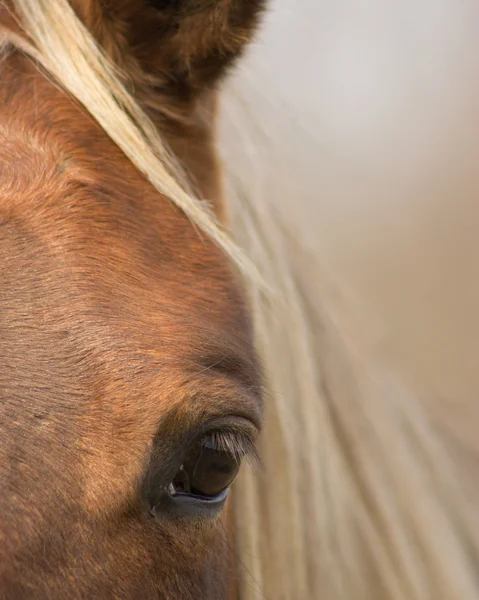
pixel 236 443
pixel 236 433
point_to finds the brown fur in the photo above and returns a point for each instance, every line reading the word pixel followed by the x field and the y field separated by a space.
pixel 121 330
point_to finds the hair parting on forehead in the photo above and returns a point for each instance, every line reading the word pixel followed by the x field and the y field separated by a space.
pixel 358 499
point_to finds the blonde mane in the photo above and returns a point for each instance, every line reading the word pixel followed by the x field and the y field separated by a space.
pixel 358 499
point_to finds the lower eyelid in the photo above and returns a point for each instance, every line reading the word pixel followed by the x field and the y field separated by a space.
pixel 186 506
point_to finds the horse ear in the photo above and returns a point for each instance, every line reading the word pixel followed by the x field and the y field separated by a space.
pixel 185 46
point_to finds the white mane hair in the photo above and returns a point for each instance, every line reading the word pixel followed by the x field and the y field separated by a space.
pixel 353 149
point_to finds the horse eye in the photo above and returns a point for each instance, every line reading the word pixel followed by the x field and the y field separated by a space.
pixel 206 471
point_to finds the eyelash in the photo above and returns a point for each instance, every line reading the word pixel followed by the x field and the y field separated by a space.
pixel 237 445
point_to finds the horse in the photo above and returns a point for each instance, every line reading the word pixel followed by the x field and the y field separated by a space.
pixel 156 332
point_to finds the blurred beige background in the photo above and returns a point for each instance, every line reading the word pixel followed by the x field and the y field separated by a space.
pixel 367 113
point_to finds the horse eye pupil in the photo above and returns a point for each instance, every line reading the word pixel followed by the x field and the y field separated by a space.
pixel 214 472
pixel 206 472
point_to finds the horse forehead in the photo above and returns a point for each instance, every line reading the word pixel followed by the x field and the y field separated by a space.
pixel 106 250
pixel 110 268
pixel 113 248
